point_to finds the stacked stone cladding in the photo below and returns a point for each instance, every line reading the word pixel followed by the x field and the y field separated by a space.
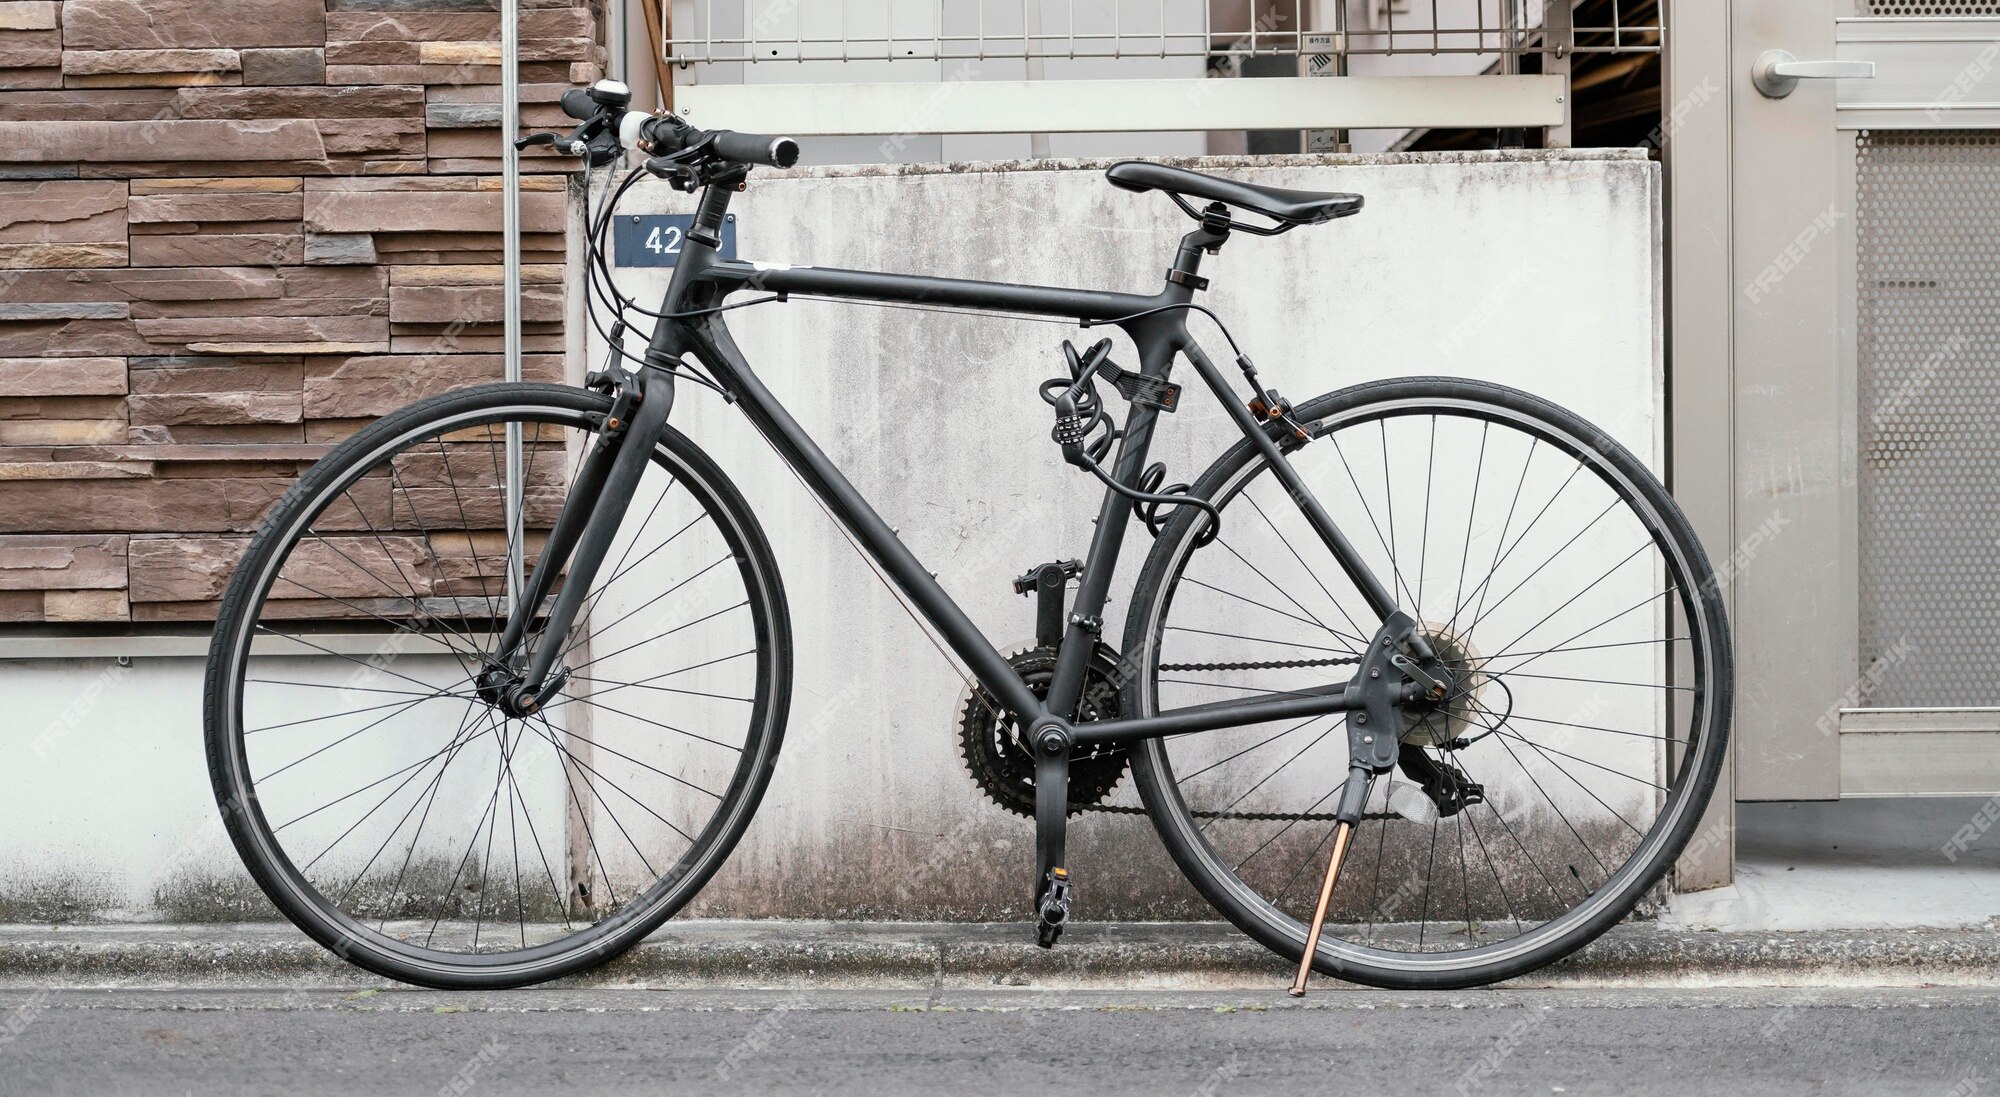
pixel 232 231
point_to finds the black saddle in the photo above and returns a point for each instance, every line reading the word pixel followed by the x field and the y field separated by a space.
pixel 1287 207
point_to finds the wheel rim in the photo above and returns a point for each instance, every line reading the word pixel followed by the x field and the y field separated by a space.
pixel 1493 866
pixel 409 814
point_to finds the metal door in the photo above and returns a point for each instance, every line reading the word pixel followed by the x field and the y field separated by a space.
pixel 1866 241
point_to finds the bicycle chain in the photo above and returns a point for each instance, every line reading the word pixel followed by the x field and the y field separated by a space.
pixel 1281 664
pixel 1252 816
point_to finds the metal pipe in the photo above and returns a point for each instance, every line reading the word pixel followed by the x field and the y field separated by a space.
pixel 510 273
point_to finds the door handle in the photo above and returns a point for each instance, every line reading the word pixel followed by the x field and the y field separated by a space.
pixel 1777 72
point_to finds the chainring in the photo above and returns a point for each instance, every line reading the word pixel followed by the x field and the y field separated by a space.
pixel 990 739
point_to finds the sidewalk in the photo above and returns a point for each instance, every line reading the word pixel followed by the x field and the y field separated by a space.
pixel 1179 956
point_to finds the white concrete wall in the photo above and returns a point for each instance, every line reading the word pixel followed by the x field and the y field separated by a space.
pixel 1538 270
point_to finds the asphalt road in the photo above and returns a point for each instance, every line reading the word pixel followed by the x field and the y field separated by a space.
pixel 1937 1043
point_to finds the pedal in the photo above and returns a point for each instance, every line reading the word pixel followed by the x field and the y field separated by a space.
pixel 1052 911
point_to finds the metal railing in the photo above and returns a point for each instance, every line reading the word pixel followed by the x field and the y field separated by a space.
pixel 763 31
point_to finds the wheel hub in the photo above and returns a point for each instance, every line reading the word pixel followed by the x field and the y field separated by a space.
pixel 1435 723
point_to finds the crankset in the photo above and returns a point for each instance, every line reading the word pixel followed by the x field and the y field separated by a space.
pixel 997 754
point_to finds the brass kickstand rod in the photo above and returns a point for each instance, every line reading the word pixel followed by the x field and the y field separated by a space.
pixel 1352 799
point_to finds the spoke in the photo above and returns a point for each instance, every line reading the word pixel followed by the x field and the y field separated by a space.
pixel 1547 750
pixel 344 688
pixel 1307 568
pixel 620 789
pixel 1648 600
pixel 563 760
pixel 1512 716
pixel 1389 512
pixel 1470 821
pixel 1430 871
pixel 1557 808
pixel 416 836
pixel 646 683
pixel 1303 723
pixel 459 741
pixel 378 781
pixel 1628 558
pixel 1485 585
pixel 1362 497
pixel 377 722
pixel 1465 551
pixel 1289 616
pixel 595 659
pixel 1268 581
pixel 399 626
pixel 1424 549
pixel 1574 538
pixel 371 667
pixel 1559 649
pixel 1261 640
pixel 588 770
pixel 492 804
pixel 618 753
pixel 416 600
pixel 598 633
pixel 619 569
pixel 655 723
pixel 1281 766
pixel 1594 681
pixel 556 890
pixel 1281 831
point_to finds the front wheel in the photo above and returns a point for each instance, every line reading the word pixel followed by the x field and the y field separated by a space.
pixel 1542 800
pixel 377 794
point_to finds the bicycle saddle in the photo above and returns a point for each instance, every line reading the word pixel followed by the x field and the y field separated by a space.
pixel 1288 207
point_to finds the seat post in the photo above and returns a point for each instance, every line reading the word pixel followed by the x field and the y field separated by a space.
pixel 1213 233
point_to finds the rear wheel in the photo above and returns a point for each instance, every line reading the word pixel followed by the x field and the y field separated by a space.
pixel 1541 801
pixel 392 812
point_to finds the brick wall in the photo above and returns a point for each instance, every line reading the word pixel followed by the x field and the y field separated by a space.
pixel 230 231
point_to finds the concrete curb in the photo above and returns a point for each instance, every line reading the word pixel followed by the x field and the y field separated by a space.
pixel 923 955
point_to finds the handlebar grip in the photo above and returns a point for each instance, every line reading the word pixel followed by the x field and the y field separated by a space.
pixel 577 103
pixel 755 148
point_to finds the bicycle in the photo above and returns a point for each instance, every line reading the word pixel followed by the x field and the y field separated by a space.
pixel 471 567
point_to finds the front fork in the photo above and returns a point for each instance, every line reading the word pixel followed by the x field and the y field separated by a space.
pixel 523 675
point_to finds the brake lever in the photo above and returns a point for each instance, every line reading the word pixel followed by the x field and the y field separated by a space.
pixel 569 146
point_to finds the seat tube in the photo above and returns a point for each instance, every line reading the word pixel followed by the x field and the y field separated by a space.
pixel 1159 338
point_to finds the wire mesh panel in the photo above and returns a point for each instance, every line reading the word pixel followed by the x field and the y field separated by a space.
pixel 1929 402
pixel 892 30
pixel 1928 8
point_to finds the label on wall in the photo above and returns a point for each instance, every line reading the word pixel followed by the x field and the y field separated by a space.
pixel 656 239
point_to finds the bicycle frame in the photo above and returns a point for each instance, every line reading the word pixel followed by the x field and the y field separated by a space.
pixel 1389 670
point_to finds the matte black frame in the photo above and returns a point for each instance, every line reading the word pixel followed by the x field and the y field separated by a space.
pixel 692 323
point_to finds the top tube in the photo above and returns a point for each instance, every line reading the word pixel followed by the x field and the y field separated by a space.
pixel 1094 305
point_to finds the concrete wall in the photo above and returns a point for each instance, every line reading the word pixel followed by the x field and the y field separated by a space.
pixel 1534 269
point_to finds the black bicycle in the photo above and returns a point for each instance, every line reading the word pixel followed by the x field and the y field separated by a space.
pixel 501 681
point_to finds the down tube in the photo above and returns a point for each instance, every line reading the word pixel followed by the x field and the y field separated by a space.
pixel 718 351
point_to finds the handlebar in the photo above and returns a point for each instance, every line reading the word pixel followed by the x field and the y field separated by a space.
pixel 667 135
pixel 608 127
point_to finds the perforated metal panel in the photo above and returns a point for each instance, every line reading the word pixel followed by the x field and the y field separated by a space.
pixel 1915 8
pixel 1929 403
